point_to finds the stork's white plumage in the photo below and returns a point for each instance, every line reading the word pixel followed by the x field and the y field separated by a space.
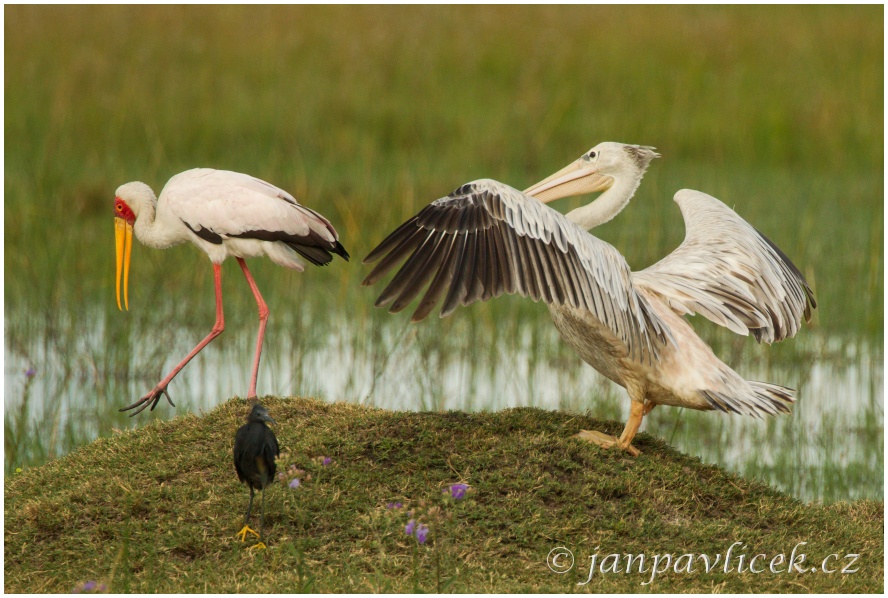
pixel 486 239
pixel 225 214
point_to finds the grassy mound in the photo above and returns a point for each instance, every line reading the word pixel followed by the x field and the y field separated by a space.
pixel 156 510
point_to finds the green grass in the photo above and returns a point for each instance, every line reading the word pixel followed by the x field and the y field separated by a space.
pixel 367 114
pixel 156 510
pixel 788 131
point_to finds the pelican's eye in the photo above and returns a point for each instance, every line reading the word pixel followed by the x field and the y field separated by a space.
pixel 591 155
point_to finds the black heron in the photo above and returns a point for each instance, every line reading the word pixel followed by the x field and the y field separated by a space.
pixel 255 448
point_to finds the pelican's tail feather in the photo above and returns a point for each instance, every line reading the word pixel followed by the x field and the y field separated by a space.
pixel 758 399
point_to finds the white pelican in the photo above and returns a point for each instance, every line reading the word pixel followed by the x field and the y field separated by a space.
pixel 486 239
pixel 225 214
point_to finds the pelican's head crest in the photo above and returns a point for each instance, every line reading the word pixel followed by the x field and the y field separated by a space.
pixel 641 155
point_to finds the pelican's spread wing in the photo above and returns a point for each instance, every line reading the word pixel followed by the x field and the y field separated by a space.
pixel 486 239
pixel 730 273
pixel 221 204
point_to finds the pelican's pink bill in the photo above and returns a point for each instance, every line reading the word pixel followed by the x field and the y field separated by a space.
pixel 577 178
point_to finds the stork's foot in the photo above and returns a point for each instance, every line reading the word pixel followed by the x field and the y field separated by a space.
pixel 243 534
pixel 606 441
pixel 259 546
pixel 152 398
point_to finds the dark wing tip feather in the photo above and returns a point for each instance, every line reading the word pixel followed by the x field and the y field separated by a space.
pixel 397 246
pixel 339 250
pixel 313 247
pixel 809 294
pixel 319 255
pixel 439 282
pixel 315 255
pixel 391 241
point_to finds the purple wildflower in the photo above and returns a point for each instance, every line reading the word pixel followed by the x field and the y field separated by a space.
pixel 30 374
pixel 394 505
pixel 458 491
pixel 408 529
pixel 294 483
pixel 422 532
pixel 90 586
pixel 326 461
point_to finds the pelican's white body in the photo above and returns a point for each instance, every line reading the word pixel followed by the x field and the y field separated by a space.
pixel 681 371
pixel 487 238
pixel 721 265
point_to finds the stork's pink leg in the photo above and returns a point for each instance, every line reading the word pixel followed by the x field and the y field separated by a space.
pixel 160 390
pixel 263 319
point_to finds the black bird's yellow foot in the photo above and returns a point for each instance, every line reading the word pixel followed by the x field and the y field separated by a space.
pixel 259 546
pixel 606 441
pixel 243 533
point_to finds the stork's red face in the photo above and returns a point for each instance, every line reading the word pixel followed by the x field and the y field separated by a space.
pixel 124 218
pixel 123 211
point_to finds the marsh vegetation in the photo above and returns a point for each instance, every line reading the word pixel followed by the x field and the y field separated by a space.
pixel 367 114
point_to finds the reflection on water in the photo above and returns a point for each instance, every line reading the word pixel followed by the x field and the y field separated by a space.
pixel 829 448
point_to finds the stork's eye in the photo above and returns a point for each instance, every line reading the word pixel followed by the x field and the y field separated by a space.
pixel 119 207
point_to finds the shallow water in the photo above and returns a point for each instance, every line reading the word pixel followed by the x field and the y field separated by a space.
pixel 829 448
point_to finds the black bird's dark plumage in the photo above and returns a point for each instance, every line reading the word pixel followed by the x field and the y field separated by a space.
pixel 255 449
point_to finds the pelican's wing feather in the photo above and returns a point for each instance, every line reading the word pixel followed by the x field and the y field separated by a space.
pixel 730 273
pixel 486 239
pixel 221 204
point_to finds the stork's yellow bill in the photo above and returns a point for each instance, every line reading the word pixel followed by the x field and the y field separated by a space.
pixel 123 236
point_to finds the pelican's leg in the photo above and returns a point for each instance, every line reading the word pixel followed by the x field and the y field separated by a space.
pixel 263 318
pixel 243 533
pixel 637 411
pixel 160 390
pixel 636 414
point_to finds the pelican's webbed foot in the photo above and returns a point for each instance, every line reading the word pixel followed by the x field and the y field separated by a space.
pixel 606 441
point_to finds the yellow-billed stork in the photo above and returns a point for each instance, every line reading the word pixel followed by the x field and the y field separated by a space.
pixel 224 214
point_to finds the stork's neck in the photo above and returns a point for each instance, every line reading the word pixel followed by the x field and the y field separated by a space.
pixel 148 229
pixel 609 204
